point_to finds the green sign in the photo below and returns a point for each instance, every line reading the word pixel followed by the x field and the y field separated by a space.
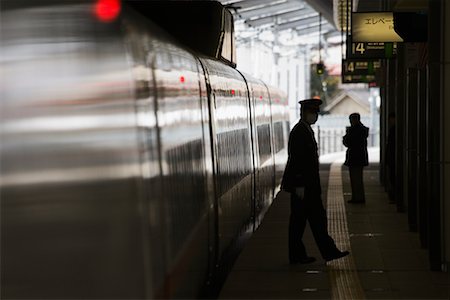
pixel 371 50
pixel 360 66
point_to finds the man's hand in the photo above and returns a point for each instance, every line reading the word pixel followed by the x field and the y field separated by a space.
pixel 300 192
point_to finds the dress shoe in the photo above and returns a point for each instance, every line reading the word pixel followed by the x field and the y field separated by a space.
pixel 305 260
pixel 337 255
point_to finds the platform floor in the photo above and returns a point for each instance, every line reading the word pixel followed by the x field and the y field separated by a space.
pixel 386 260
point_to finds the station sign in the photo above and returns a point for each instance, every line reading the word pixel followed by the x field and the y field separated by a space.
pixel 360 66
pixel 359 79
pixel 370 50
pixel 374 27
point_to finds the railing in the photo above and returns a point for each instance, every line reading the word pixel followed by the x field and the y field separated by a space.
pixel 329 140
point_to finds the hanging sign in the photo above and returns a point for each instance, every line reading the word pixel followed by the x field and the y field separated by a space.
pixel 374 27
pixel 360 66
pixel 358 78
pixel 371 49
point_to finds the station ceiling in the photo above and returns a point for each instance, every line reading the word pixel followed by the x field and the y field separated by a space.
pixel 301 16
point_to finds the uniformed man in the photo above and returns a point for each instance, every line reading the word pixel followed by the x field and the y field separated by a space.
pixel 302 180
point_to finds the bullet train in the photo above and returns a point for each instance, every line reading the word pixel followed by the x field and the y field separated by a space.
pixel 131 165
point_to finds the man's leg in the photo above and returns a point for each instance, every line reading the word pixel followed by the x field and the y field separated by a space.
pixel 356 181
pixel 317 218
pixel 297 223
pixel 359 184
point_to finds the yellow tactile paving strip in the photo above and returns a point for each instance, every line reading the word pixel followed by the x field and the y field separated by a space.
pixel 342 272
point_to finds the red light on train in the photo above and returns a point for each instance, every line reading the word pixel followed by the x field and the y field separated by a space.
pixel 182 79
pixel 107 10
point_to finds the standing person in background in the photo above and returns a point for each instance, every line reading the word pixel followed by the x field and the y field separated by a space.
pixel 356 157
pixel 302 180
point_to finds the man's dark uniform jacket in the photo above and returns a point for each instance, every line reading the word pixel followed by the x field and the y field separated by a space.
pixel 302 169
pixel 356 141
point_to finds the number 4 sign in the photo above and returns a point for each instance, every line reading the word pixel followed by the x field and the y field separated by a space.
pixel 360 66
pixel 365 50
pixel 359 47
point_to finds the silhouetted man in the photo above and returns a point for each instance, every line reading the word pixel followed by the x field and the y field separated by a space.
pixel 356 157
pixel 302 180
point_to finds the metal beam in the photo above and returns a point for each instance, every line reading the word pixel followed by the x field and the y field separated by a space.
pixel 332 33
pixel 280 17
pixel 268 10
pixel 248 4
pixel 313 29
pixel 300 23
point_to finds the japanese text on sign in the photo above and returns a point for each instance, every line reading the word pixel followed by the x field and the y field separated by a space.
pixel 374 27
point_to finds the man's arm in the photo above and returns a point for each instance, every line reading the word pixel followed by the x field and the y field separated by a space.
pixel 299 154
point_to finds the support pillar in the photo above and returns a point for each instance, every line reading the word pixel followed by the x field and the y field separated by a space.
pixel 400 113
pixel 411 147
pixel 446 133
pixel 435 131
pixel 422 190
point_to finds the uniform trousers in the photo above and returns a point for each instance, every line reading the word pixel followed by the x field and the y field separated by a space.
pixel 356 180
pixel 308 209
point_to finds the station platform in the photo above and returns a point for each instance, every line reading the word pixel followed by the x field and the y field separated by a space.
pixel 386 260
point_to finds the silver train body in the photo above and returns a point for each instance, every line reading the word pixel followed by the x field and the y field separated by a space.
pixel 129 165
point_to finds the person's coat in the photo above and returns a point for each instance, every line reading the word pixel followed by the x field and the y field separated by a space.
pixel 302 168
pixel 356 141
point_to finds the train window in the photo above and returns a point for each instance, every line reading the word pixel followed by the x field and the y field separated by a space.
pixel 264 144
pixel 279 136
pixel 228 46
pixel 185 177
pixel 234 155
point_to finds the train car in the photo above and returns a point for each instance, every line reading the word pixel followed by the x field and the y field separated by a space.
pixel 261 118
pixel 132 166
pixel 281 128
